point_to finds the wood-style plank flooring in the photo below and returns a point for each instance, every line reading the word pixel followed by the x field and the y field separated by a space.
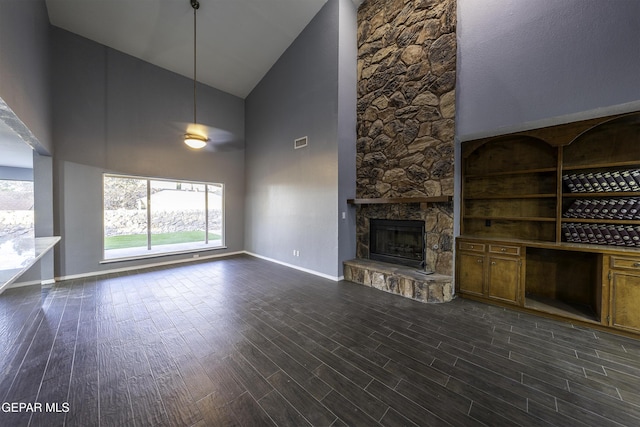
pixel 244 342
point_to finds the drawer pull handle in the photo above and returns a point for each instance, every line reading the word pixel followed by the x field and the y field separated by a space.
pixel 637 264
pixel 479 261
pixel 503 250
pixel 471 246
pixel 493 263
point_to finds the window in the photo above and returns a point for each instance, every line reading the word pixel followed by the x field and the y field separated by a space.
pixel 16 209
pixel 146 217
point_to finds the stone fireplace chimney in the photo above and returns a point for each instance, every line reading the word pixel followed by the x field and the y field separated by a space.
pixel 406 111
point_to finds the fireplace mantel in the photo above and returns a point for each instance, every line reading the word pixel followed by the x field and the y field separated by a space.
pixel 400 200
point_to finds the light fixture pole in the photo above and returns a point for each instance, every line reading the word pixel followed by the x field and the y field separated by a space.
pixel 193 140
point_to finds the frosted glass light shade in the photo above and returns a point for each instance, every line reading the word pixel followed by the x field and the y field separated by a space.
pixel 195 141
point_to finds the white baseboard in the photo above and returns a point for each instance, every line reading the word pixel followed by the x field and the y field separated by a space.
pixel 22 284
pixel 159 264
pixel 143 266
pixel 296 267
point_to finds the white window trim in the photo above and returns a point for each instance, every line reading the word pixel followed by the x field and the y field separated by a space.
pixel 159 254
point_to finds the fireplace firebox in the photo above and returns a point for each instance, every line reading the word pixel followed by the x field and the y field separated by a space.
pixel 397 241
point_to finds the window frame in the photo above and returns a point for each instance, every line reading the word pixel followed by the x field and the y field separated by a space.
pixel 156 253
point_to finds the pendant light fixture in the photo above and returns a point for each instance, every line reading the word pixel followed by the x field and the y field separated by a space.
pixel 194 140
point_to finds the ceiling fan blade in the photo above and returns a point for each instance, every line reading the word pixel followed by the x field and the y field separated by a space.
pixel 218 139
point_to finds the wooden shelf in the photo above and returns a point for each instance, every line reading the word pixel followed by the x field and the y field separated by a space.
pixel 497 169
pixel 515 172
pixel 602 221
pixel 562 246
pixel 601 194
pixel 400 200
pixel 512 196
pixel 567 167
pixel 512 218
pixel 561 308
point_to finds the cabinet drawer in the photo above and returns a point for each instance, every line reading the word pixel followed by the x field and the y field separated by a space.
pixel 468 246
pixel 625 263
pixel 504 249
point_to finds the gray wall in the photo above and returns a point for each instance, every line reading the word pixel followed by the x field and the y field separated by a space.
pixel 292 195
pixel 24 66
pixel 43 209
pixel 25 88
pixel 115 113
pixel 347 98
pixel 524 63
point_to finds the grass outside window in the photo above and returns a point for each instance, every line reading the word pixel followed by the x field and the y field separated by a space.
pixel 140 240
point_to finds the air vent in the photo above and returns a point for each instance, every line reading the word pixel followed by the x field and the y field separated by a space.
pixel 301 142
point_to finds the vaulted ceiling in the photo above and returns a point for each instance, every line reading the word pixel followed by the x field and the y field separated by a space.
pixel 237 40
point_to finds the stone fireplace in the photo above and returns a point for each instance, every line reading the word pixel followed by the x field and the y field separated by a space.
pixel 437 221
pixel 405 146
pixel 397 241
pixel 408 281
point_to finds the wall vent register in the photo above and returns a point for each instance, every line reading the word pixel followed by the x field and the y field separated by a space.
pixel 300 142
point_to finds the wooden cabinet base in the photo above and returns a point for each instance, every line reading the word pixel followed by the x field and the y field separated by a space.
pixel 624 280
pixel 599 287
pixel 490 270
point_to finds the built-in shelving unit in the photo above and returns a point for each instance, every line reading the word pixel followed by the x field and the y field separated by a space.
pixel 518 192
pixel 510 189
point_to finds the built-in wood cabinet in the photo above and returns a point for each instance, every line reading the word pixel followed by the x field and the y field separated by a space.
pixel 471 268
pixel 533 236
pixel 624 281
pixel 503 275
pixel 489 270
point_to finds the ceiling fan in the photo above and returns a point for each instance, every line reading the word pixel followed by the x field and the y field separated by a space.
pixel 195 137
pixel 200 136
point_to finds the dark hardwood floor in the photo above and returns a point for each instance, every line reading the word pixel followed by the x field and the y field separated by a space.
pixel 244 342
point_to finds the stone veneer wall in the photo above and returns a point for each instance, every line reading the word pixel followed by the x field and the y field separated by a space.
pixel 406 110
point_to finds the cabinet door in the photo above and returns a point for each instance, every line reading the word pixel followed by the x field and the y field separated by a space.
pixel 470 273
pixel 625 300
pixel 504 279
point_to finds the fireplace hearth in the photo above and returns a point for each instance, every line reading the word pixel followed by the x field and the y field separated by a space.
pixel 398 267
pixel 397 242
